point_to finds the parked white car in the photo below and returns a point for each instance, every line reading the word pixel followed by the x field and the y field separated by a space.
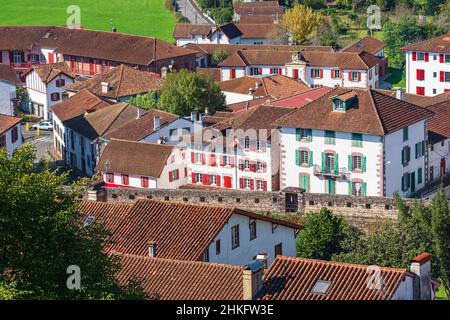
pixel 43 125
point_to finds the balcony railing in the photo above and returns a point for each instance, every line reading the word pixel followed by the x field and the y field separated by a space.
pixel 330 172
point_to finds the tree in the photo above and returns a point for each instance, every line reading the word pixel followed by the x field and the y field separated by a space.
pixel 219 55
pixel 278 35
pixel 184 92
pixel 324 235
pixel 145 101
pixel 327 35
pixel 41 235
pixel 301 22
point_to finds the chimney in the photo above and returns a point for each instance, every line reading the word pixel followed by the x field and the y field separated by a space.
pixel 156 122
pixel 164 72
pixel 257 84
pixel 252 279
pixel 421 267
pixel 97 195
pixel 250 91
pixel 138 113
pixel 105 87
pixel 206 111
pixel 152 249
pixel 399 94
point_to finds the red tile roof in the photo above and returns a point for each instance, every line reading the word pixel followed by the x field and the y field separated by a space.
pixel 368 44
pixel 188 30
pixel 7 122
pixel 82 102
pixel 294 279
pixel 255 30
pixel 168 279
pixel 439 44
pixel 440 123
pixel 48 72
pixel 257 8
pixel 301 99
pixel 242 106
pixel 371 112
pixel 8 74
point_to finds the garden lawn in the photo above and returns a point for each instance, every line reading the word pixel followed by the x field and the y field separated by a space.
pixel 142 17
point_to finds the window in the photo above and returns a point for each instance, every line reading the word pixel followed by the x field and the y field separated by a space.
pixel 174 175
pixel 315 73
pixel 246 165
pixel 354 76
pixel 358 188
pixel 235 236
pixel 144 182
pixel 205 256
pixel 420 149
pixel 259 145
pixel 278 249
pixel 198 157
pixel 420 56
pixel 406 181
pixel 339 105
pixel 406 155
pixel 247 183
pixel 321 287
pixel 329 137
pixel 357 163
pixel 247 143
pixel 434 90
pixel 110 177
pixel 447 58
pixel 54 96
pixel 252 227
pixel 255 71
pixel 446 76
pixel 304 157
pixel 356 140
pixel 14 134
pixel 302 134
pixel 213 179
pixel 60 83
pixel 259 166
pixel 217 246
pixel 434 74
pixel 419 175
pixel 198 177
pixel 336 73
pixel 125 179
pixel 226 160
pixel 405 133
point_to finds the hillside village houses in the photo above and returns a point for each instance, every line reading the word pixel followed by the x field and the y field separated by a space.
pixel 9 81
pixel 257 12
pixel 45 86
pixel 428 66
pixel 10 133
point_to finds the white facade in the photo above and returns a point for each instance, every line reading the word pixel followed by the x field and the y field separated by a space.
pixel 267 237
pixel 438 160
pixel 43 95
pixel 175 162
pixel 7 93
pixel 427 73
pixel 233 97
pixel 12 138
pixel 216 37
pixel 371 168
pixel 172 130
pixel 81 153
pixel 59 136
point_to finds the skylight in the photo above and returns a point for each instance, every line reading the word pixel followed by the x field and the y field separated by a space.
pixel 88 221
pixel 321 287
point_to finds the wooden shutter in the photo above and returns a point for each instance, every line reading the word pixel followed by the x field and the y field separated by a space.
pixel 336 164
pixel 426 57
pixel 441 58
pixel 203 159
pixel 170 177
pixel 295 73
pixel 193 177
pixel 218 180
pixel 321 73
pixel 359 76
pixel 264 184
pixel 364 163
pixel 350 162
pixel 414 56
pixel 310 158
pixel 309 135
pixel 297 157
pixel 241 183
pixel 192 157
pixel 252 184
pixel 297 134
pixel 441 76
pixel 350 188
pixel 312 73
pixel 364 189
pixel 349 76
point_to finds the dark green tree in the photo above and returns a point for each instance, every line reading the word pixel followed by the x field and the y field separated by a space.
pixel 184 92
pixel 41 235
pixel 145 101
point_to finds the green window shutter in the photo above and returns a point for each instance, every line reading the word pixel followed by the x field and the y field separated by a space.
pixel 336 164
pixel 323 161
pixel 364 189
pixel 405 134
pixel 327 186
pixel 350 162
pixel 297 157
pixel 403 156
pixel 356 139
pixel 297 134
pixel 350 190
pixel 310 158
pixel 416 151
pixel 419 176
pixel 304 183
pixel 309 133
pixel 423 147
pixel 332 190
pixel 364 163
pixel 403 183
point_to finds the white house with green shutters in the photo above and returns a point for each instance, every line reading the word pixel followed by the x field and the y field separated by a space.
pixel 354 141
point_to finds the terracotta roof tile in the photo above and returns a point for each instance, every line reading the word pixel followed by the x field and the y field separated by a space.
pixel 187 30
pixel 368 44
pixel 134 158
pixel 440 123
pixel 260 18
pixel 301 99
pixel 215 73
pixel 371 112
pixel 182 280
pixel 8 73
pixel 48 72
pixel 123 81
pixel 7 122
pixel 110 214
pixel 439 44
pixel 255 30
pixel 257 8
pixel 242 106
pixel 77 105
pixel 294 279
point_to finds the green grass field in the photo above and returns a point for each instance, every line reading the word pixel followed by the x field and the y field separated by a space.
pixel 142 17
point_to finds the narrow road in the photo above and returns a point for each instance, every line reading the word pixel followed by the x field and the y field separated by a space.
pixel 190 10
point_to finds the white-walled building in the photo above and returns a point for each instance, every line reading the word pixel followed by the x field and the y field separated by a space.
pixel 241 152
pixel 186 231
pixel 9 81
pixel 316 69
pixel 45 86
pixel 428 66
pixel 10 133
pixel 357 142
pixel 130 164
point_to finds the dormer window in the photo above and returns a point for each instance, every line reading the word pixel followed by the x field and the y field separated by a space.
pixel 339 105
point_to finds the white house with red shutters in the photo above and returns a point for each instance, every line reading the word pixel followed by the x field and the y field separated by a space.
pixel 45 85
pixel 240 152
pixel 316 69
pixel 10 133
pixel 428 66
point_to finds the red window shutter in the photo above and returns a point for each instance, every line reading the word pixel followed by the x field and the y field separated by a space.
pixel 185 172
pixel 125 180
pixel 144 182
pixel 349 76
pixel 441 58
pixel 232 73
pixel 218 180
pixel 260 70
pixel 264 167
pixel 193 178
pixel 178 174
pixel 420 91
pixel 264 183
pixel 253 167
pixel 203 159
pixel 192 157
pixel 295 73
pixel 271 70
pixel 359 76
pixel 51 58
pixel 170 177
pixel 426 57
pixel 441 76
pixel 222 161
pixel 321 73
pixel 232 162
pixel 252 184
pixel 241 183
pixel 418 74
pixel 414 56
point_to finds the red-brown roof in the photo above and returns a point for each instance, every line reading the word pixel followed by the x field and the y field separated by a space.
pixel 188 30
pixel 242 106
pixel 7 73
pixel 110 214
pixel 48 72
pixel 301 99
pixel 168 279
pixel 440 124
pixel 123 81
pixel 134 158
pixel 371 112
pixel 255 30
pixel 7 122
pixel 294 279
pixel 80 103
pixel 257 8
pixel 439 44
pixel 368 44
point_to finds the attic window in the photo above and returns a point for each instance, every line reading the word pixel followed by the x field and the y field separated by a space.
pixel 88 221
pixel 321 287
pixel 339 105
